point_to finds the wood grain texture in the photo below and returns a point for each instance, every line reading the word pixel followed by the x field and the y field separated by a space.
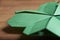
pixel 7 10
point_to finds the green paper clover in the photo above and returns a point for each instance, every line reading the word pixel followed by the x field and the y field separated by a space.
pixel 46 17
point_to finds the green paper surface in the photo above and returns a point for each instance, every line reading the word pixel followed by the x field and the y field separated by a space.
pixel 54 23
pixel 57 12
pixel 36 20
pixel 37 26
pixel 48 8
pixel 54 26
pixel 24 19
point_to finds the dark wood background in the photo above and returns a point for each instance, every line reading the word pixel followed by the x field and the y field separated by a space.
pixel 7 10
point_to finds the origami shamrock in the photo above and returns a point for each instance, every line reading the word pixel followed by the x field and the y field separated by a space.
pixel 46 17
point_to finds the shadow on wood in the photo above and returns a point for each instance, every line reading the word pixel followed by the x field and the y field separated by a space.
pixel 47 34
pixel 15 30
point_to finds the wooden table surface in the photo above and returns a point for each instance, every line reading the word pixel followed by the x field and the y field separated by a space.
pixel 7 10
